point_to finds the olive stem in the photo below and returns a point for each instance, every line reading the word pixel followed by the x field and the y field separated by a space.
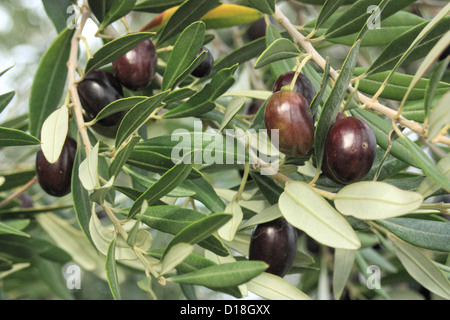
pixel 369 103
pixel 72 65
pixel 299 69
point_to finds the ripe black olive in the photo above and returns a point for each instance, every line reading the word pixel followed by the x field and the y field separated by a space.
pixel 350 150
pixel 135 69
pixel 302 85
pixel 98 89
pixel 257 29
pixel 205 67
pixel 289 112
pixel 274 242
pixel 253 108
pixel 55 178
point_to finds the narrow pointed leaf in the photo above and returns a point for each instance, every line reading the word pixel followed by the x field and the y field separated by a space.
pixel 117 10
pixel 13 137
pixel 111 271
pixel 272 287
pixel 306 210
pixel 54 133
pixel 280 49
pixel 223 275
pixel 49 81
pixel 376 200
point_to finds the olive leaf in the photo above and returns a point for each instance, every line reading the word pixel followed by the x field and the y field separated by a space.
pixel 54 133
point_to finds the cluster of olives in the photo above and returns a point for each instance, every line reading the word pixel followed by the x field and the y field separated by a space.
pixel 350 150
pixel 135 71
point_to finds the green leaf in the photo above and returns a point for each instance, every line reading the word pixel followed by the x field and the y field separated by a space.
pixel 184 52
pixel 223 275
pixel 428 234
pixel 233 107
pixel 439 117
pixel 49 81
pixel 100 8
pixel 315 103
pixel 111 271
pixel 282 66
pixel 54 133
pixel 398 85
pixel 433 85
pixel 80 196
pixel 409 46
pixel 333 103
pixel 156 6
pixel 122 156
pixel 426 164
pixel 228 230
pixel 203 101
pixel 173 219
pixel 429 186
pixel 422 269
pixel 306 210
pixel 164 185
pixel 88 170
pixel 272 287
pixel 343 263
pixel 16 179
pixel 265 6
pixel 189 12
pixel 14 227
pixel 14 137
pixel 175 256
pixel 115 49
pixel 5 99
pixel 357 16
pixel 205 193
pixel 280 49
pixel 329 7
pixel 199 230
pixel 58 12
pixel 137 116
pixel 117 10
pixel 369 200
pixel 118 105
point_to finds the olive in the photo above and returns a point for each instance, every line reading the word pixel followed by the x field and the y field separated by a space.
pixel 136 69
pixel 274 242
pixel 289 112
pixel 253 108
pixel 205 67
pixel 350 150
pixel 55 178
pixel 256 30
pixel 98 89
pixel 302 85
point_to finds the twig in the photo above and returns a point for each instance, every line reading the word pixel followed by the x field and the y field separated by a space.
pixel 18 192
pixel 368 103
pixel 72 66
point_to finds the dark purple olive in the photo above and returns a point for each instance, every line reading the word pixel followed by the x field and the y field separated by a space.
pixel 98 89
pixel 302 85
pixel 289 112
pixel 350 150
pixel 275 243
pixel 55 178
pixel 254 107
pixel 205 67
pixel 256 30
pixel 135 69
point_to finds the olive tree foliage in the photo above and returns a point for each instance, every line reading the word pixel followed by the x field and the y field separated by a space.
pixel 140 224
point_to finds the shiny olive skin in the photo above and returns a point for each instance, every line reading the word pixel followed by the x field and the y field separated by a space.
pixel 274 242
pixel 205 67
pixel 98 89
pixel 136 69
pixel 289 112
pixel 302 85
pixel 350 150
pixel 55 178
